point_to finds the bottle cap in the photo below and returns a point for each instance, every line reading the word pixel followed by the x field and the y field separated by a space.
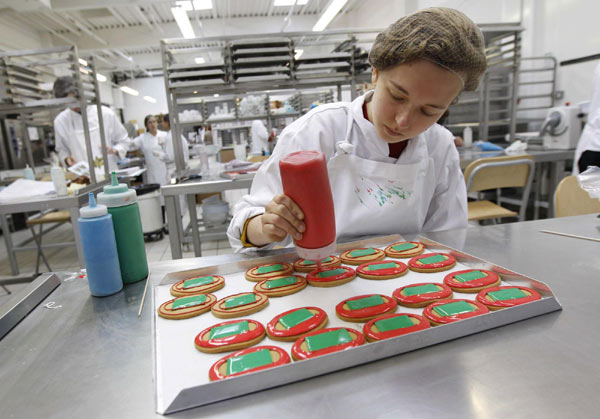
pixel 93 210
pixel 117 194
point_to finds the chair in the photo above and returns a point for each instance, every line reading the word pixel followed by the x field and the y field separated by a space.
pixel 41 219
pixel 570 199
pixel 497 173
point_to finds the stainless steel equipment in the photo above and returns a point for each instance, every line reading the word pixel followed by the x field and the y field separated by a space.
pixel 562 127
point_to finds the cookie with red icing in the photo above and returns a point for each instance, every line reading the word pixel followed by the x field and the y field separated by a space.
pixel 449 311
pixel 197 285
pixel 230 336
pixel 432 262
pixel 362 308
pixel 326 341
pixel 268 271
pixel 496 298
pixel 247 361
pixel 305 265
pixel 404 249
pixel 295 323
pixel 278 287
pixel 186 307
pixel 383 269
pixel 239 305
pixel 421 294
pixel 471 280
pixel 361 255
pixel 392 325
pixel 331 277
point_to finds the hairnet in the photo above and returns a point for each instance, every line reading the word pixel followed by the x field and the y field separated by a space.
pixel 63 86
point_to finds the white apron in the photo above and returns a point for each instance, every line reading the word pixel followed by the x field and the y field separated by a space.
pixel 78 147
pixel 377 198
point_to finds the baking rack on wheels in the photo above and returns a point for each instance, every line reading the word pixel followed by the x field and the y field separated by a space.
pixel 182 372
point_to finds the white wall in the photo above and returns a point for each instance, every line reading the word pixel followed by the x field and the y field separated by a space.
pixel 136 108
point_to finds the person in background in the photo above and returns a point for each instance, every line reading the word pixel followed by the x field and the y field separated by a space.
pixel 208 137
pixel 260 138
pixel 68 130
pixel 166 126
pixel 587 152
pixel 153 143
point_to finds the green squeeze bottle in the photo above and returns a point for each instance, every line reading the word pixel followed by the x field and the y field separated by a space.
pixel 122 205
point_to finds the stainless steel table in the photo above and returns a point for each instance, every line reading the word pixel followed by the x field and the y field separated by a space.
pixel 92 357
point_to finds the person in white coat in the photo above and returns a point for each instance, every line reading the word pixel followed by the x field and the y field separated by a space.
pixel 69 134
pixel 170 150
pixel 153 143
pixel 587 152
pixel 391 168
pixel 260 138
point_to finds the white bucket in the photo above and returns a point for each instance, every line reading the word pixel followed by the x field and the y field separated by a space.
pixel 150 211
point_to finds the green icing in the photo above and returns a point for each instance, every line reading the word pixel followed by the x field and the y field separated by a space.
pixel 229 330
pixel 506 294
pixel 249 361
pixel 295 318
pixel 380 266
pixel 421 289
pixel 310 262
pixel 242 300
pixel 469 276
pixel 281 282
pixel 404 246
pixel 267 269
pixel 196 282
pixel 393 323
pixel 362 252
pixel 328 339
pixel 184 302
pixel 456 307
pixel 372 301
pixel 333 272
pixel 432 259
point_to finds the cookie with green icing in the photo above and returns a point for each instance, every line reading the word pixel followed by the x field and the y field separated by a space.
pixel 281 286
pixel 201 284
pixel 186 307
pixel 404 249
pixel 304 265
pixel 361 255
pixel 268 271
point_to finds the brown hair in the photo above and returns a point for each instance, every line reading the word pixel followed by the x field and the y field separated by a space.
pixel 445 36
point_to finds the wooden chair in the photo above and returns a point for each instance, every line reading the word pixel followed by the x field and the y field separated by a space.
pixel 498 173
pixel 570 199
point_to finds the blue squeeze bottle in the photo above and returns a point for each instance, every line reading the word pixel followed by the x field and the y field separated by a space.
pixel 99 249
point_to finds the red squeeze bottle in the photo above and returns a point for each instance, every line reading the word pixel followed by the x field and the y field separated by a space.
pixel 305 181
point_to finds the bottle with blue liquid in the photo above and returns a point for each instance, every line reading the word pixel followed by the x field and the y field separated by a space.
pixel 99 249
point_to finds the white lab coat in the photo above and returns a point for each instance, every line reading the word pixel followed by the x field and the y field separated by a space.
pixel 171 152
pixel 155 155
pixel 70 140
pixel 341 132
pixel 590 137
pixel 260 138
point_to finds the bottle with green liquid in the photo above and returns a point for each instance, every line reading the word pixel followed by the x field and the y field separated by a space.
pixel 122 205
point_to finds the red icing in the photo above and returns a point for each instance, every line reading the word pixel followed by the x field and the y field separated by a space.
pixel 432 315
pixel 491 278
pixel 301 354
pixel 312 276
pixel 449 261
pixel 214 373
pixel 508 303
pixel 445 292
pixel 401 267
pixel 229 340
pixel 367 328
pixel 299 329
pixel 305 180
pixel 286 270
pixel 388 305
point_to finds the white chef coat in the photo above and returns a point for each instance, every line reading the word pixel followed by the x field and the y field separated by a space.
pixel 260 137
pixel 155 155
pixel 443 202
pixel 171 151
pixel 68 132
pixel 590 137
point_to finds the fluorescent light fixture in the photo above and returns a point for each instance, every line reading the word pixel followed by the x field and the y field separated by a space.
pixel 84 70
pixel 199 60
pixel 83 62
pixel 216 95
pixel 129 91
pixel 100 77
pixel 277 3
pixel 332 10
pixel 298 54
pixel 149 99
pixel 189 5
pixel 195 92
pixel 183 22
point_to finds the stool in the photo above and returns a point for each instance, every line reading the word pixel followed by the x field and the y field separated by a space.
pixel 40 219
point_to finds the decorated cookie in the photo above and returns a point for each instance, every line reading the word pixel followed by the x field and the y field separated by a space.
pixel 361 255
pixel 268 271
pixel 331 277
pixel 197 285
pixel 383 269
pixel 293 324
pixel 404 249
pixel 186 307
pixel 247 361
pixel 449 311
pixel 326 341
pixel 304 265
pixel 392 325
pixel 278 287
pixel 239 305
pixel 471 280
pixel 419 295
pixel 230 336
pixel 431 262
pixel 365 307
pixel 501 297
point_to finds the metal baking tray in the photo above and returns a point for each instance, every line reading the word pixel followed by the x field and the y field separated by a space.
pixel 181 372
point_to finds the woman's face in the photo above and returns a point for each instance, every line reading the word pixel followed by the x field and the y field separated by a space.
pixel 409 98
pixel 152 125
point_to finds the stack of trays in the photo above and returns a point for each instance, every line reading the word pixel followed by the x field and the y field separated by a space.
pixel 19 84
pixel 335 65
pixel 192 75
pixel 361 61
pixel 261 59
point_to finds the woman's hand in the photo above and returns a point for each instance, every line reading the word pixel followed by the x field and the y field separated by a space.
pixel 282 217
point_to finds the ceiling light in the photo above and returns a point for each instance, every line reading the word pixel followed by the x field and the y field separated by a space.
pixel 199 60
pixel 332 10
pixel 83 62
pixel 188 5
pixel 149 99
pixel 183 22
pixel 289 2
pixel 298 53
pixel 100 77
pixel 216 95
pixel 129 91
pixel 84 70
